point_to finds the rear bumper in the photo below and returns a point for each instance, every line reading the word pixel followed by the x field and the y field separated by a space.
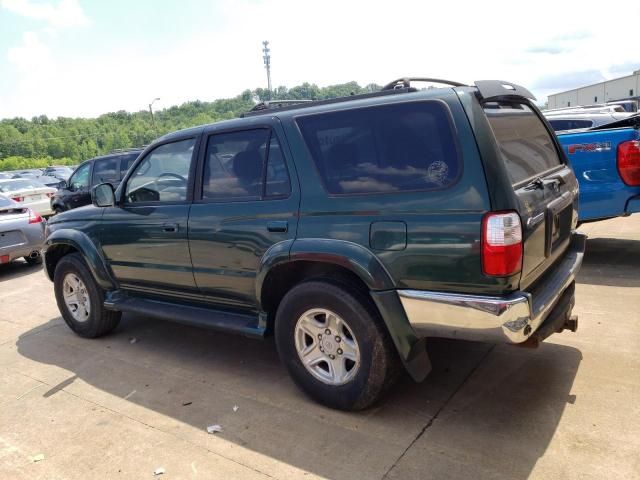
pixel 513 318
pixel 33 236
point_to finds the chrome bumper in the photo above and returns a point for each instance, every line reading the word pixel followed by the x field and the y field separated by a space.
pixel 509 319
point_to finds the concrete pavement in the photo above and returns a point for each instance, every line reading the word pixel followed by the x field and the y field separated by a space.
pixel 109 408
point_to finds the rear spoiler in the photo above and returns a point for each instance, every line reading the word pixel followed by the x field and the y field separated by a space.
pixel 633 121
pixel 492 90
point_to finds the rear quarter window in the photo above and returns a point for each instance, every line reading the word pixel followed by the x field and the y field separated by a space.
pixel 382 149
pixel 525 144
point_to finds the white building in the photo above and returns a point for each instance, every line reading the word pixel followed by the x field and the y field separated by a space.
pixel 622 88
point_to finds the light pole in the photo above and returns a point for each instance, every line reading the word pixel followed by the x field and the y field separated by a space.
pixel 266 57
pixel 153 120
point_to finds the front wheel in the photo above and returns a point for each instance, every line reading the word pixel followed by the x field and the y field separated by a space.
pixel 80 299
pixel 334 344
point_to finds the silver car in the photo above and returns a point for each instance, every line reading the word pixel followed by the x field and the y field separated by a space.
pixel 21 232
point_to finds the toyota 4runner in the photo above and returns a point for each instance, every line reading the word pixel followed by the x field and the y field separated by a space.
pixel 353 229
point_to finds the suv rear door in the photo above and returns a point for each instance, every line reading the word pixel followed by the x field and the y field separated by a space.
pixel 545 186
pixel 246 200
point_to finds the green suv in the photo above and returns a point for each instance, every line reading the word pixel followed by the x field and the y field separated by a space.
pixel 352 229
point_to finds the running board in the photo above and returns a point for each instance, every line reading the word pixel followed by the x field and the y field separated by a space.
pixel 248 325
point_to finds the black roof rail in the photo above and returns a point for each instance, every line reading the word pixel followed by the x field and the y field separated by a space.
pixel 271 104
pixel 405 82
pixel 328 101
pixel 125 150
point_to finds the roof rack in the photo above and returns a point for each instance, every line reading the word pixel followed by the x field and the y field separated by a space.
pixel 406 82
pixel 271 104
pixel 489 90
pixel 298 104
pixel 125 150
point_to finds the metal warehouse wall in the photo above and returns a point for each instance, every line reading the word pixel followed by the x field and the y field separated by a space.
pixel 616 89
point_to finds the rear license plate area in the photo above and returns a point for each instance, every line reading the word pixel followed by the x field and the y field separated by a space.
pixel 558 219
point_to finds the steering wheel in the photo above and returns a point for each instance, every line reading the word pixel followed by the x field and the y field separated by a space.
pixel 174 175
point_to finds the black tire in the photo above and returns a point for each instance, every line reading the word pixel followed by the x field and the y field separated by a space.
pixel 379 362
pixel 33 261
pixel 100 320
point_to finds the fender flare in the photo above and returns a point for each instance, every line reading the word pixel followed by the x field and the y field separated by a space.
pixel 86 247
pixel 355 258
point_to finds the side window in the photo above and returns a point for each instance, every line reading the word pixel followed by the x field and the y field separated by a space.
pixel 80 179
pixel 234 163
pixel 163 174
pixel 106 171
pixel 390 148
pixel 235 166
pixel 126 163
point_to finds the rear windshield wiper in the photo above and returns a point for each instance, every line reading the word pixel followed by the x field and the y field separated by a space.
pixel 535 183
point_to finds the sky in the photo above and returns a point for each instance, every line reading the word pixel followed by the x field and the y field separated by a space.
pixel 82 58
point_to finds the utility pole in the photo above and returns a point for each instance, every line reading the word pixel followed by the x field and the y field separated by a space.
pixel 267 64
pixel 153 120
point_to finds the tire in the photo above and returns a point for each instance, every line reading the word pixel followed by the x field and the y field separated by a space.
pixel 378 364
pixel 33 261
pixel 98 321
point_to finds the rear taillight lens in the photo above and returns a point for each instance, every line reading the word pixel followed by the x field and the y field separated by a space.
pixel 501 244
pixel 34 217
pixel 17 199
pixel 629 162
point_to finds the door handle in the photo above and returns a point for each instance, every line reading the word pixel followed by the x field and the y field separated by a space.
pixel 170 227
pixel 278 226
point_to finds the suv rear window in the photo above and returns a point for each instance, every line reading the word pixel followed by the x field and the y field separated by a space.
pixel 526 146
pixel 389 148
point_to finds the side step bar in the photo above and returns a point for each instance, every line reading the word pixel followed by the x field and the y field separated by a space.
pixel 247 325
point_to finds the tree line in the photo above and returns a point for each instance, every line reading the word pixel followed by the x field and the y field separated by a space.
pixel 43 141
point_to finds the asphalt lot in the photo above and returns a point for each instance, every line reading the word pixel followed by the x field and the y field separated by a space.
pixel 110 408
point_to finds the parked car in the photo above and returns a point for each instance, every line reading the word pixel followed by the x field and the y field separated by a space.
pixel 606 161
pixel 5 175
pixel 580 120
pixel 107 168
pixel 61 172
pixel 353 229
pixel 29 193
pixel 21 232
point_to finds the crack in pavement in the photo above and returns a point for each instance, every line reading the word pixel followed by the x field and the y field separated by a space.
pixel 435 416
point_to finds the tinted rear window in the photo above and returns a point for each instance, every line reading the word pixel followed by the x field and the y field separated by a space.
pixel 390 148
pixel 526 146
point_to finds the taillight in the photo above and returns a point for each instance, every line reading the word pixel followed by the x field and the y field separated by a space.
pixel 18 199
pixel 501 244
pixel 629 162
pixel 34 217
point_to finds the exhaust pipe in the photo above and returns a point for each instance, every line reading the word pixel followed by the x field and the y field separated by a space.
pixel 35 254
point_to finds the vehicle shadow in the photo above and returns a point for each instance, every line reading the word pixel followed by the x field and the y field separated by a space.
pixel 611 261
pixel 16 269
pixel 196 377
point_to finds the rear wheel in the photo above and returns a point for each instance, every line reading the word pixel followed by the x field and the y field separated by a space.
pixel 335 345
pixel 80 299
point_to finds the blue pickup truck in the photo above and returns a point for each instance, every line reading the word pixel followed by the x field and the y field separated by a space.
pixel 606 161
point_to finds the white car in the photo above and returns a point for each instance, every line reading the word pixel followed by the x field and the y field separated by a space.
pixel 29 193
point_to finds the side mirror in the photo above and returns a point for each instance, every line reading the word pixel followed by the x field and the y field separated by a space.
pixel 63 184
pixel 103 196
